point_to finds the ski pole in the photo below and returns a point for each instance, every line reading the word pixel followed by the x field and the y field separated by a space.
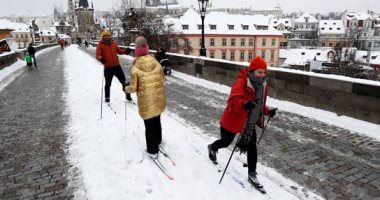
pixel 125 110
pixel 262 133
pixel 232 153
pixel 101 100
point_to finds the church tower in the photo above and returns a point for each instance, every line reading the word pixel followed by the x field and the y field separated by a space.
pixel 71 13
pixel 85 18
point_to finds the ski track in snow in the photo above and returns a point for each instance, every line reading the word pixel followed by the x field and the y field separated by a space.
pixel 109 153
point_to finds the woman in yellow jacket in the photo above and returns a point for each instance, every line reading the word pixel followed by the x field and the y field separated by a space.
pixel 147 80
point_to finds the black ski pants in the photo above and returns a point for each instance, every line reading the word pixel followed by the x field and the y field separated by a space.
pixel 227 138
pixel 34 59
pixel 109 72
pixel 153 134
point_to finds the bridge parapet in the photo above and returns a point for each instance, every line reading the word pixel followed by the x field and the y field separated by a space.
pixel 355 98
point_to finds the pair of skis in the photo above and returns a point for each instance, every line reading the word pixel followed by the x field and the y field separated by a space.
pixel 161 166
pixel 258 187
pixel 113 110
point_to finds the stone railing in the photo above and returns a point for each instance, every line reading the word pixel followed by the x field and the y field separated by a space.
pixel 345 96
pixel 7 59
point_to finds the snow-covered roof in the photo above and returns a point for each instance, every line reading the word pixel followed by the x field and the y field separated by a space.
pixel 361 56
pixel 61 23
pixel 47 33
pixel 11 43
pixel 222 20
pixel 301 56
pixel 374 57
pixel 63 36
pixel 305 16
pixel 7 24
pixel 331 27
pixel 358 16
pixel 53 28
pixel 285 21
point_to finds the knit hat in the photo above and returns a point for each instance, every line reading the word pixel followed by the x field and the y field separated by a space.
pixel 257 63
pixel 141 41
pixel 142 47
pixel 104 33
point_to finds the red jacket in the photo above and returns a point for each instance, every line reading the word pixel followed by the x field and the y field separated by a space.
pixel 109 53
pixel 234 114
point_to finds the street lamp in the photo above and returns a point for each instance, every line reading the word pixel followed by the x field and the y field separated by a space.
pixel 31 33
pixel 202 9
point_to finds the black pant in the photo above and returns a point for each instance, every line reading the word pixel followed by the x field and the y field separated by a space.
pixel 227 138
pixel 34 60
pixel 153 134
pixel 109 72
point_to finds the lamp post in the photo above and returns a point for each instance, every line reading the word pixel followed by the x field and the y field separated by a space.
pixel 202 9
pixel 31 33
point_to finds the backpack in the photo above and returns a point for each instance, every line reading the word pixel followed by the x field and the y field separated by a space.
pixel 28 59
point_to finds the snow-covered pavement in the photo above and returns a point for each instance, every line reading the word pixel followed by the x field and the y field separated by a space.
pixel 109 152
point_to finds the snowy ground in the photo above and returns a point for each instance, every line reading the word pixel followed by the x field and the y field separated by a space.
pixel 109 156
pixel 109 152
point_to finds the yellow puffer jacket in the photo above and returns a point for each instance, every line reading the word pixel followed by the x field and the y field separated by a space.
pixel 147 80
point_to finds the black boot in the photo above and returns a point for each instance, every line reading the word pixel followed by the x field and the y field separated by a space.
pixel 211 154
pixel 128 97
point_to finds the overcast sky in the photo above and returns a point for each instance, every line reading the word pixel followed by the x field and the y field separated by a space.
pixel 36 7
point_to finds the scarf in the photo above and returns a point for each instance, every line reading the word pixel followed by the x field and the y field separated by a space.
pixel 249 133
pixel 107 42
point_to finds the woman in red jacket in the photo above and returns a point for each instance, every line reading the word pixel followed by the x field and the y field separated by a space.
pixel 245 109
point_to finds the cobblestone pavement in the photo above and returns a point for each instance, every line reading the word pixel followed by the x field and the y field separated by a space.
pixel 334 162
pixel 32 135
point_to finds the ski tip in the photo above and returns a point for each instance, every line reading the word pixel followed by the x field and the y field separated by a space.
pixel 174 164
pixel 170 177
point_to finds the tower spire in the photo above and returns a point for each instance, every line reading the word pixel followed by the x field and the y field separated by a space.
pixel 83 3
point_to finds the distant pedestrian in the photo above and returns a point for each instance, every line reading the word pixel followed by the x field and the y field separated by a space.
pixel 147 80
pixel 106 53
pixel 86 44
pixel 61 42
pixel 32 51
pixel 245 109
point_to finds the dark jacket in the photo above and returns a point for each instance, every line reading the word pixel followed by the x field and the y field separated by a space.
pixel 31 50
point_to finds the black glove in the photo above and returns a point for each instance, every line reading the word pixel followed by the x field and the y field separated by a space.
pixel 127 51
pixel 102 60
pixel 249 105
pixel 272 112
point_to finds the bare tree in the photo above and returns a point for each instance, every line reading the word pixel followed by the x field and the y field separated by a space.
pixel 152 27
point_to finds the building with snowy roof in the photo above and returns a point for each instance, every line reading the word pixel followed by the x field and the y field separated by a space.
pixel 305 31
pixel 301 58
pixel 332 33
pixel 361 28
pixel 284 26
pixel 48 35
pixel 157 3
pixel 7 27
pixel 229 37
